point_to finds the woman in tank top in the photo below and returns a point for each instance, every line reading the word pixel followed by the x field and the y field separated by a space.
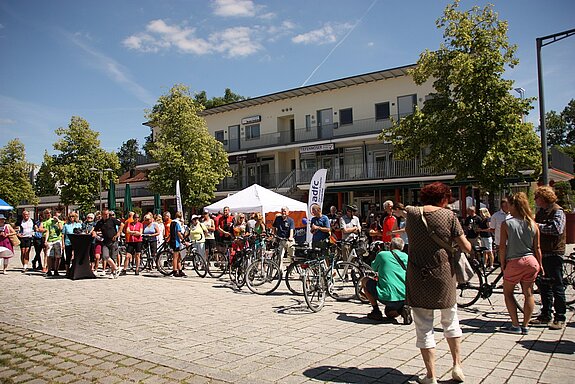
pixel 520 258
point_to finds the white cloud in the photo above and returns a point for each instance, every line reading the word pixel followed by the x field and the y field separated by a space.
pixel 327 34
pixel 114 70
pixel 236 8
pixel 7 121
pixel 232 42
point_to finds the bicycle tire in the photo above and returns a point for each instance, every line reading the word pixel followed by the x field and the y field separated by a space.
pixel 314 290
pixel 569 280
pixel 263 277
pixel 240 274
pixel 164 262
pixel 199 264
pixel 293 278
pixel 343 281
pixel 468 293
pixel 217 264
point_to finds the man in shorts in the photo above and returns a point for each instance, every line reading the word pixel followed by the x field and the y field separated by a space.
pixel 111 229
pixel 53 243
pixel 389 288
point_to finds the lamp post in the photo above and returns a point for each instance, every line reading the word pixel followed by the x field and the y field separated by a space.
pixel 521 92
pixel 100 173
pixel 540 42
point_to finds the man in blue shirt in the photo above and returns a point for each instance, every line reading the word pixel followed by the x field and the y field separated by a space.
pixel 284 227
pixel 319 228
pixel 389 288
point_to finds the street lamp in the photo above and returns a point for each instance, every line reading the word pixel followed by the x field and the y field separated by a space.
pixel 100 173
pixel 521 92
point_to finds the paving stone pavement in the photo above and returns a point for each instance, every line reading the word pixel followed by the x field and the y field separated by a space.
pixel 153 329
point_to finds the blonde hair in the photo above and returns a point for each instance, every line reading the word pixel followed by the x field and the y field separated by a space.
pixel 484 212
pixel 521 204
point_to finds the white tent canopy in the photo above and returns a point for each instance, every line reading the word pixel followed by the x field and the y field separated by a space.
pixel 256 199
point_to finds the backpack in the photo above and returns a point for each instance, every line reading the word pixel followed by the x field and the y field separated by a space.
pixel 173 234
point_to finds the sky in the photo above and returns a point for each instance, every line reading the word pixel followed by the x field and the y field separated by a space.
pixel 109 61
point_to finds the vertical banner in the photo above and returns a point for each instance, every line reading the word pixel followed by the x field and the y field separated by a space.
pixel 179 198
pixel 316 194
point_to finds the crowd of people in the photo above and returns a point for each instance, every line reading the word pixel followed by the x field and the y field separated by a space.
pixel 415 275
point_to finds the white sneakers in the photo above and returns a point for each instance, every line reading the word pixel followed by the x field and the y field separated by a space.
pixel 456 375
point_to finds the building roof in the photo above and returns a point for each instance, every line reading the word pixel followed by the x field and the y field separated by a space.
pixel 133 177
pixel 311 89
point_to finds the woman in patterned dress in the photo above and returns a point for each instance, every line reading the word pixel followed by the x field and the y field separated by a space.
pixel 430 280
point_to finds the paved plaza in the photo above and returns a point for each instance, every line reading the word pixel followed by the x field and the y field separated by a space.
pixel 154 329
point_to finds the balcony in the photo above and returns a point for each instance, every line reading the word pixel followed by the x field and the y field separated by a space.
pixel 306 135
pixel 394 169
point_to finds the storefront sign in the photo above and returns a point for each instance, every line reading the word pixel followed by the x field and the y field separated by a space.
pixel 251 119
pixel 317 148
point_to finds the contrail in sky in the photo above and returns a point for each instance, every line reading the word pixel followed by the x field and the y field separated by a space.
pixel 340 42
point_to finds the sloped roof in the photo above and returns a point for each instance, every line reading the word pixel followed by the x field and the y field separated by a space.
pixel 132 177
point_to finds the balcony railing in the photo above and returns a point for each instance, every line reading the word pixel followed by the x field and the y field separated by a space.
pixel 304 135
pixel 353 172
pixel 561 161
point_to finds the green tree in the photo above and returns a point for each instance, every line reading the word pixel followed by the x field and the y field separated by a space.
pixel 185 150
pixel 45 183
pixel 472 123
pixel 561 129
pixel 229 97
pixel 80 150
pixel 15 187
pixel 128 155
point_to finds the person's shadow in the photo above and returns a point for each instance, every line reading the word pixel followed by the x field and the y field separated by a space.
pixel 362 319
pixel 565 347
pixel 357 375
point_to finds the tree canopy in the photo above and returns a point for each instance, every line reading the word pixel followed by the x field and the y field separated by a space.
pixel 80 150
pixel 472 123
pixel 45 183
pixel 561 129
pixel 185 150
pixel 128 155
pixel 15 187
pixel 229 97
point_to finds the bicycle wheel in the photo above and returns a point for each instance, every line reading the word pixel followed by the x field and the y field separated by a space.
pixel 313 288
pixel 569 280
pixel 199 264
pixel 468 293
pixel 293 277
pixel 217 264
pixel 263 277
pixel 343 281
pixel 164 262
pixel 240 273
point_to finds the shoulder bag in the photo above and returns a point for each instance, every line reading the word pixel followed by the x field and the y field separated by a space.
pixel 463 270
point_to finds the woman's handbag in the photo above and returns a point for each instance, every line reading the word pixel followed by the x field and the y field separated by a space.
pixel 14 240
pixel 463 270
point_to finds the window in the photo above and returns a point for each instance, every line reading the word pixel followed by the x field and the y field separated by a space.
pixel 345 116
pixel 252 132
pixel 406 105
pixel 382 111
pixel 219 135
pixel 308 123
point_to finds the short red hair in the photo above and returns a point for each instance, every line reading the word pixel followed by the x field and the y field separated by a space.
pixel 434 193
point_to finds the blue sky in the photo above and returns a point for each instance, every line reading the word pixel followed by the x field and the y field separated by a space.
pixel 108 61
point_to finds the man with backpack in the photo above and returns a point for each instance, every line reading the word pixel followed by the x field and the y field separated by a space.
pixel 175 241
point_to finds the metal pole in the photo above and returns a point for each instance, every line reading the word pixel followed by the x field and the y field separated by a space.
pixel 542 125
pixel 100 193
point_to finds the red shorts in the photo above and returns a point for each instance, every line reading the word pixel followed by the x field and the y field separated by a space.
pixel 98 248
pixel 521 270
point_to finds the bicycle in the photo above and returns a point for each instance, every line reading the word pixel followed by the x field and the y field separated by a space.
pixel 189 256
pixel 480 287
pixel 147 260
pixel 569 278
pixel 218 262
pixel 339 280
pixel 263 274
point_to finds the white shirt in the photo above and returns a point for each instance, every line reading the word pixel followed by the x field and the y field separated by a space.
pixel 347 223
pixel 495 223
pixel 27 228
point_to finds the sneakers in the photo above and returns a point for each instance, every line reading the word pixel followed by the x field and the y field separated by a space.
pixel 515 330
pixel 56 273
pixel 406 314
pixel 557 325
pixel 182 274
pixel 375 315
pixel 123 272
pixel 426 380
pixel 540 321
pixel 115 274
pixel 457 373
pixel 524 330
pixel 49 274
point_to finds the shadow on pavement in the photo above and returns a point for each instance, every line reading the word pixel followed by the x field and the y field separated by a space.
pixel 564 347
pixel 481 326
pixel 299 307
pixel 357 375
pixel 362 319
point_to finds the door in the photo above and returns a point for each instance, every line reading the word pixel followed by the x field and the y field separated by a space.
pixel 292 130
pixel 325 123
pixel 234 136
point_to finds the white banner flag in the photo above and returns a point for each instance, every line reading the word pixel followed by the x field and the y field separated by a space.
pixel 316 194
pixel 179 198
